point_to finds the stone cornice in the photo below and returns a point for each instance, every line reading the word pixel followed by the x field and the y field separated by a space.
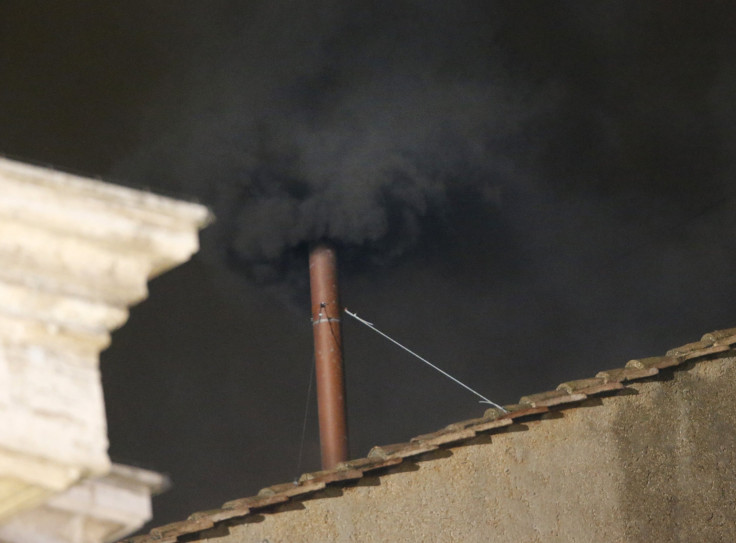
pixel 106 240
pixel 103 508
pixel 75 253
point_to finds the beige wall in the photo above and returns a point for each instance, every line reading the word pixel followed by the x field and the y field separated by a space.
pixel 655 463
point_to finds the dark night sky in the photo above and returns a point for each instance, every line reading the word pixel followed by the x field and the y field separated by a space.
pixel 523 192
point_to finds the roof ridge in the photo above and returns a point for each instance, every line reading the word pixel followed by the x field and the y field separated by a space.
pixel 608 382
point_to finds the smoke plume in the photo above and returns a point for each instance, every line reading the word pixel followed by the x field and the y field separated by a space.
pixel 367 123
pixel 359 124
pixel 554 181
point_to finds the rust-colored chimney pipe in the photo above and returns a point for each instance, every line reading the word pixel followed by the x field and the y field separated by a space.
pixel 333 430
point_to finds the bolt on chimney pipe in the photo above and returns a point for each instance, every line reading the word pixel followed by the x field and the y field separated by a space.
pixel 328 354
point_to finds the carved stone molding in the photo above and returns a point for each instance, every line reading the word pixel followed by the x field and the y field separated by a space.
pixel 75 253
pixel 98 509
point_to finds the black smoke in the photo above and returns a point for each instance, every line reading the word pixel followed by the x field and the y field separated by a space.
pixel 360 123
pixel 365 123
pixel 533 192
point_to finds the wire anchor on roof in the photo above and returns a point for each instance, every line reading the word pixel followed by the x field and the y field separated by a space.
pixel 443 372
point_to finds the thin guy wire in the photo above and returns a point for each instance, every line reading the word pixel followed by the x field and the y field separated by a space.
pixel 443 372
pixel 306 410
pixel 322 306
pixel 304 424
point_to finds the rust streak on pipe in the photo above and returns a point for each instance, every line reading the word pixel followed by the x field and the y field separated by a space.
pixel 328 354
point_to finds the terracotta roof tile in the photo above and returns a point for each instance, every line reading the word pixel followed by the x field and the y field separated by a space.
pixel 594 385
pixel 699 349
pixel 552 398
pixel 401 450
pixel 292 489
pixel 727 340
pixel 370 464
pixel 658 362
pixel 390 455
pixel 718 335
pixel 716 348
pixel 469 423
pixel 693 346
pixel 255 502
pixel 627 374
pixel 445 436
pixel 520 410
pixel 491 424
pixel 218 515
pixel 491 419
pixel 332 476
pixel 494 413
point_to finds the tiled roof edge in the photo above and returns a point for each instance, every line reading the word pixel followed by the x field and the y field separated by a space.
pixel 493 420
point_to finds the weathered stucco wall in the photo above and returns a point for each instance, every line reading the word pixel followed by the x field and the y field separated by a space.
pixel 654 463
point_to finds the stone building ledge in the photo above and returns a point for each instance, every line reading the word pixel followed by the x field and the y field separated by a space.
pixel 75 253
pixel 103 508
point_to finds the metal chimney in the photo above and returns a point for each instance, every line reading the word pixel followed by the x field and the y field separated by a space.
pixel 328 354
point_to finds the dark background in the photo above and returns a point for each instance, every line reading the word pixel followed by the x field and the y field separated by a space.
pixel 523 192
